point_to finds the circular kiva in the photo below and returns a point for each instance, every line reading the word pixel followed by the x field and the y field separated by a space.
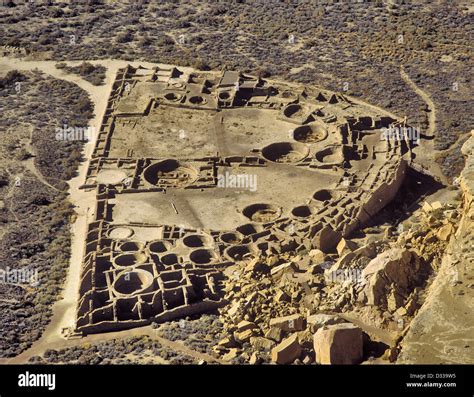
pixel 285 152
pixel 323 195
pixel 170 173
pixel 239 252
pixel 131 246
pixel 231 237
pixel 197 240
pixel 302 211
pixel 197 100
pixel 130 259
pixel 310 133
pixel 330 155
pixel 248 229
pixel 262 213
pixel 170 259
pixel 224 95
pixel 203 256
pixel 159 246
pixel 131 282
pixel 173 97
pixel 292 110
pixel 111 177
pixel 121 232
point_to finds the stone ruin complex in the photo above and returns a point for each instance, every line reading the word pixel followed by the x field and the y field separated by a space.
pixel 165 230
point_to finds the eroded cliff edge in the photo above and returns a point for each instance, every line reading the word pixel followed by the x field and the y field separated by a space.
pixel 443 330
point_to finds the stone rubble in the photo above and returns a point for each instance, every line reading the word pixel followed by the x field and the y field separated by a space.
pixel 286 308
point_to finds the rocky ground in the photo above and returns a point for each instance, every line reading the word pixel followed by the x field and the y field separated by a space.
pixel 286 309
pixel 442 331
pixel 137 350
pixel 360 304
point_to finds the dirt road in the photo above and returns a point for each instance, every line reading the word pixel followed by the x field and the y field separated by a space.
pixel 425 97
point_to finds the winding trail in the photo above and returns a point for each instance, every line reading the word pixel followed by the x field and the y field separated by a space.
pixel 64 309
pixel 425 97
pixel 428 153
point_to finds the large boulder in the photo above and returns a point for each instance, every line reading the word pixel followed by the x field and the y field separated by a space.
pixel 294 322
pixel 396 268
pixel 338 344
pixel 287 351
pixel 319 320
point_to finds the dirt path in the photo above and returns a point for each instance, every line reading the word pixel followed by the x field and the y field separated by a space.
pixel 64 309
pixel 426 154
pixel 425 97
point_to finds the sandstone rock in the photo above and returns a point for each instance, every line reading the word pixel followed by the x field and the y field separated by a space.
pixel 395 268
pixel 326 239
pixel 394 301
pixel 304 263
pixel 429 238
pixel 255 359
pixel 260 343
pixel 227 342
pixel 338 344
pixel 345 245
pixel 295 322
pixel 245 325
pixel 230 355
pixel 411 305
pixel 445 232
pixel 307 360
pixel 279 270
pixel 281 296
pixel 232 312
pixel 274 333
pixel 401 311
pixel 244 336
pixel 272 260
pixel 287 351
pixel 391 354
pixel 427 207
pixel 316 321
pixel 317 256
